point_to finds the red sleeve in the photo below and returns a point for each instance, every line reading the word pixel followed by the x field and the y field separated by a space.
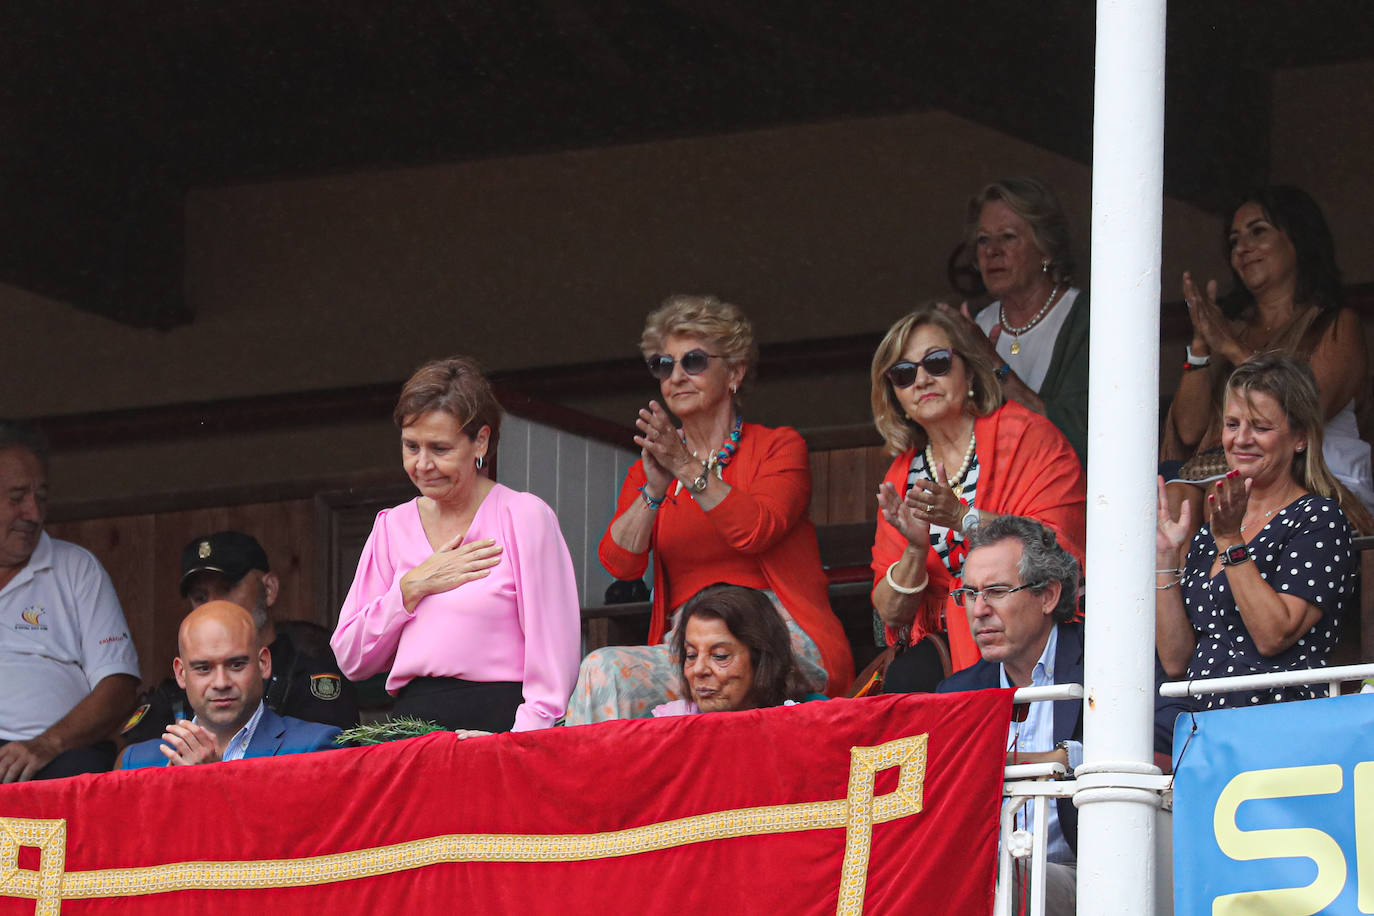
pixel 888 545
pixel 619 562
pixel 756 514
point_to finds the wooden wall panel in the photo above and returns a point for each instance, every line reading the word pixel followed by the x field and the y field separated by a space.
pixel 142 554
pixel 843 484
pixel 286 531
pixel 820 487
pixel 124 547
pixel 878 461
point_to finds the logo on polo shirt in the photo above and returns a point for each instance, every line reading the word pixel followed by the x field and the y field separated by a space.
pixel 28 619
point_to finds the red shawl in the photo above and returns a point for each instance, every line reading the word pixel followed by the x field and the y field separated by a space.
pixel 1025 467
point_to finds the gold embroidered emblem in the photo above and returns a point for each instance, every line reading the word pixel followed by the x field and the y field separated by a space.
pixel 855 814
pixel 326 686
pixel 203 551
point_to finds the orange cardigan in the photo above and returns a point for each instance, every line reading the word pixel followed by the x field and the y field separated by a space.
pixel 1025 467
pixel 764 516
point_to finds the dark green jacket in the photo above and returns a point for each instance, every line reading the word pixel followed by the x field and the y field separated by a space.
pixel 1065 389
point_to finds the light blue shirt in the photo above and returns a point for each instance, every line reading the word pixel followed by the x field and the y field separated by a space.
pixel 238 745
pixel 1037 734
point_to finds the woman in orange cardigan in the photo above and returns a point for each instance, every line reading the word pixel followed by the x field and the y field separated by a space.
pixel 718 500
pixel 964 454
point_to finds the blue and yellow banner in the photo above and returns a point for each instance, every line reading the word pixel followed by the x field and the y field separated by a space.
pixel 1274 809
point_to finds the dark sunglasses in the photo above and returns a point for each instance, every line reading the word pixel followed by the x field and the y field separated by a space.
pixel 936 363
pixel 694 362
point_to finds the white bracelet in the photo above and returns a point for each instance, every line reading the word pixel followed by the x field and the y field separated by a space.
pixel 1196 360
pixel 902 589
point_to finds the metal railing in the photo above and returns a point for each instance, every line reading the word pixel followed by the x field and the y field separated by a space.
pixel 1331 677
pixel 1022 783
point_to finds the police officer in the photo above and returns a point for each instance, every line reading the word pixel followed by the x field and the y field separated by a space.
pixel 232 566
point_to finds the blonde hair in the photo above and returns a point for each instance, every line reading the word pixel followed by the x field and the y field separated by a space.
pixel 721 324
pixel 1293 387
pixel 898 430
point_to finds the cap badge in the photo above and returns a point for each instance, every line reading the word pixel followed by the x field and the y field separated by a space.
pixel 203 551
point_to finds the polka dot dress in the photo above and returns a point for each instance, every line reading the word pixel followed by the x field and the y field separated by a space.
pixel 1304 550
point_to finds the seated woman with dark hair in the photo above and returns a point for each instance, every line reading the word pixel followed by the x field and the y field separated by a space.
pixel 734 652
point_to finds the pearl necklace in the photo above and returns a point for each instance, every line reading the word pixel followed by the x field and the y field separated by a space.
pixel 956 482
pixel 1017 332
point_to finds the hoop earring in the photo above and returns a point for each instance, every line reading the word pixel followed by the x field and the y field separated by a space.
pixel 479 462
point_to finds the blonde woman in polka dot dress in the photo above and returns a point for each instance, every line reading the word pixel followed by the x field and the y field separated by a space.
pixel 1263 584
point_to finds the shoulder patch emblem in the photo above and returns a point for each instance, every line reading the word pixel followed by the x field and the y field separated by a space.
pixel 136 718
pixel 325 686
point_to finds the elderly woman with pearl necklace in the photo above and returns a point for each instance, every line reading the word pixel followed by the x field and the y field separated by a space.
pixel 963 454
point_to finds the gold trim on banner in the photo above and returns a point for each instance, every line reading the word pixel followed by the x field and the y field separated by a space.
pixel 857 813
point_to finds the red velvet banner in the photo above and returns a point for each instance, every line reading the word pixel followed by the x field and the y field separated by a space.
pixel 880 805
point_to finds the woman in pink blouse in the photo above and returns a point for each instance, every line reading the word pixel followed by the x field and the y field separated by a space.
pixel 465 594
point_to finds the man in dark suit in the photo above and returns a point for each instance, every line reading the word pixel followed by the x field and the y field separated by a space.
pixel 222 666
pixel 1020 593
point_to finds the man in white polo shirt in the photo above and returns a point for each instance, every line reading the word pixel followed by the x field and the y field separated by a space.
pixel 70 670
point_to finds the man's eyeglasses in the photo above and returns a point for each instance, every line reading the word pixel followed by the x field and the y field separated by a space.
pixel 992 594
pixel 694 362
pixel 936 363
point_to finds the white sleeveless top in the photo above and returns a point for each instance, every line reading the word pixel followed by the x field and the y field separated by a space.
pixel 1348 456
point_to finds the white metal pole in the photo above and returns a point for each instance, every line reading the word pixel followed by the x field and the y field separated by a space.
pixel 1117 808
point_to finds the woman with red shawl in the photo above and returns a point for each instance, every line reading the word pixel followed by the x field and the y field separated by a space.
pixel 964 454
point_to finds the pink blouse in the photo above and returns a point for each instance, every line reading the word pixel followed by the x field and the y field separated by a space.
pixel 520 623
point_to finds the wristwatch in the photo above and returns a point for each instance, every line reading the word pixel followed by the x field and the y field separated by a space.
pixel 699 485
pixel 970 520
pixel 1235 555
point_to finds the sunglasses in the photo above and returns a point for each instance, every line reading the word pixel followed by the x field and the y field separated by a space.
pixel 694 362
pixel 936 363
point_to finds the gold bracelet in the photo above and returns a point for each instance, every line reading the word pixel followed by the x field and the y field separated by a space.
pixel 902 589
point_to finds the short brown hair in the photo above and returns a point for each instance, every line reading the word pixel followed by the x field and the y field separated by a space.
pixel 457 387
pixel 724 325
pixel 1035 202
pixel 898 430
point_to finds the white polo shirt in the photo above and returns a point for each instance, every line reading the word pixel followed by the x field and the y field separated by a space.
pixel 61 632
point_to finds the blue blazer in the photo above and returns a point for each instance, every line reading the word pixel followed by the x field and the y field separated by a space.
pixel 275 736
pixel 1068 714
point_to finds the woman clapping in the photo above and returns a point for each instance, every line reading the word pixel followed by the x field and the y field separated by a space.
pixel 962 453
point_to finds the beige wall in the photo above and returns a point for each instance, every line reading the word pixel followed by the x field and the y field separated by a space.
pixel 1323 141
pixel 818 230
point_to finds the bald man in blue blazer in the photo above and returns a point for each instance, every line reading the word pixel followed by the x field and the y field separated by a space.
pixel 222 667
